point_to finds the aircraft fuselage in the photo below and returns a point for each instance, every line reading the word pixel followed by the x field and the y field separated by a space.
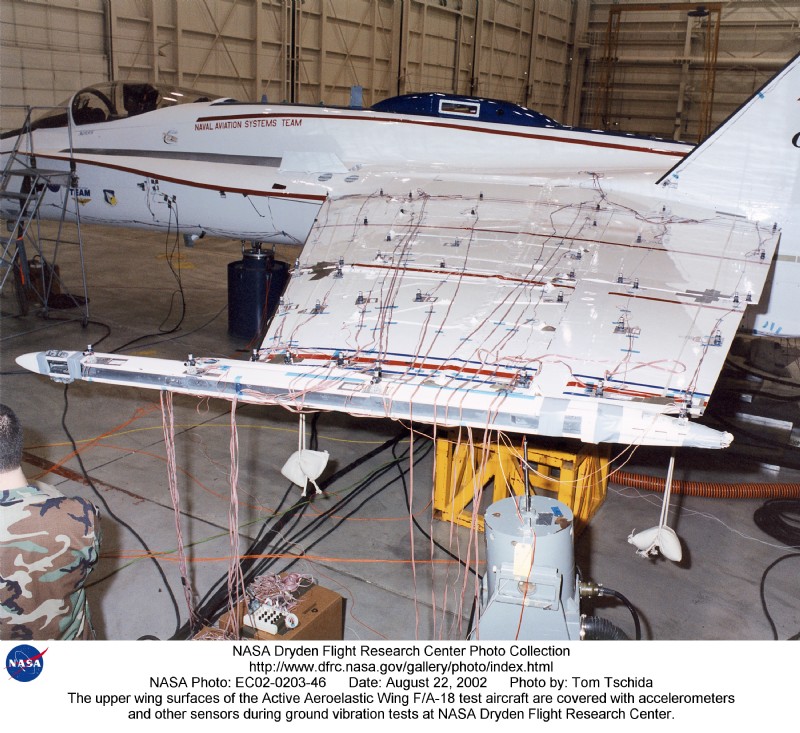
pixel 257 171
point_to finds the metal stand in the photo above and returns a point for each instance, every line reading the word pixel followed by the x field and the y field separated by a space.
pixel 30 258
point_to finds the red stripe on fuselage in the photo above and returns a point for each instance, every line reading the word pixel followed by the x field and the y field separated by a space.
pixel 451 126
pixel 316 198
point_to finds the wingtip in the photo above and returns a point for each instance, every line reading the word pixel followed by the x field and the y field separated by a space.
pixel 29 362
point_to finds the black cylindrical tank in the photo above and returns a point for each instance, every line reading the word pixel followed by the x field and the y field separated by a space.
pixel 255 284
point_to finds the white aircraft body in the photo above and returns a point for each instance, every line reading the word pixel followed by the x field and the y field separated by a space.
pixel 253 171
pixel 456 269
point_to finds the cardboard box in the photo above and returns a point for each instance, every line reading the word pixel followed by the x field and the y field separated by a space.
pixel 320 612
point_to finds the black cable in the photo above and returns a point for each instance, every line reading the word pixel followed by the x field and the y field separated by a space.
pixel 108 508
pixel 53 323
pixel 780 519
pixel 93 323
pixel 215 603
pixel 102 338
pixel 327 515
pixel 762 375
pixel 22 372
pixel 603 591
pixel 177 276
pixel 596 628
pixel 173 338
pixel 764 599
pixel 215 597
pixel 366 483
pixel 338 506
pixel 426 535
pixel 472 615
pixel 313 440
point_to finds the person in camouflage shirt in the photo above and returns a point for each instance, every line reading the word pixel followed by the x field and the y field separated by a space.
pixel 49 544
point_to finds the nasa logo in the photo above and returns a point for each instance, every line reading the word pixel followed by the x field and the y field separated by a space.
pixel 25 663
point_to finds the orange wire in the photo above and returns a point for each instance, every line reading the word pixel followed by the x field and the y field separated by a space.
pixel 274 556
pixel 139 413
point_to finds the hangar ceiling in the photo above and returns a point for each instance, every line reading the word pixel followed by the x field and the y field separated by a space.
pixel 552 55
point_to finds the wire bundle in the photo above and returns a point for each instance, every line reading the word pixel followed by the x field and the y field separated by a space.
pixel 281 592
pixel 277 537
pixel 780 518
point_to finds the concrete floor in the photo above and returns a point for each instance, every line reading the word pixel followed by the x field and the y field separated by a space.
pixel 357 539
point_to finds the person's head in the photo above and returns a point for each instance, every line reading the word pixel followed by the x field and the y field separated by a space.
pixel 10 440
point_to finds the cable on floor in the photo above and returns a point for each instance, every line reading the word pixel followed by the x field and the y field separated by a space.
pixel 214 602
pixel 762 593
pixel 110 513
pixel 780 519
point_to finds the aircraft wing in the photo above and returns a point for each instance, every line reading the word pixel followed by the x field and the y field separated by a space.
pixel 553 308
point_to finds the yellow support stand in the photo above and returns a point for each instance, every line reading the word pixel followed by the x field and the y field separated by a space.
pixel 470 476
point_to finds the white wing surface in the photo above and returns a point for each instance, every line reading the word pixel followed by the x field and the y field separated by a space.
pixel 555 309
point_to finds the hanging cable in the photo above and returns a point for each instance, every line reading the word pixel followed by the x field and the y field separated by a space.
pixel 176 273
pixel 168 424
pixel 215 601
pixel 425 534
pixel 111 513
pixel 331 512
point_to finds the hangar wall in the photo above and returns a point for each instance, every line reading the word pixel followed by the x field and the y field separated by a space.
pixel 553 55
pixel 48 50
pixel 308 51
pixel 655 78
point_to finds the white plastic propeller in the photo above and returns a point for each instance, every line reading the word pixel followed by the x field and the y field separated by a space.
pixel 661 538
pixel 304 464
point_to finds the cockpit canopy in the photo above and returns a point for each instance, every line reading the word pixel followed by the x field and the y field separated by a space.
pixel 436 104
pixel 117 100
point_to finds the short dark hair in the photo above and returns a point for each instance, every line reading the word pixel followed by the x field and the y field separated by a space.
pixel 10 440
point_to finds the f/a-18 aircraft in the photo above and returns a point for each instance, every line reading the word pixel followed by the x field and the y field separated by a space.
pixel 461 261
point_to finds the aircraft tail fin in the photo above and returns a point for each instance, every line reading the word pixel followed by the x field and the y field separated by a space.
pixel 751 163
